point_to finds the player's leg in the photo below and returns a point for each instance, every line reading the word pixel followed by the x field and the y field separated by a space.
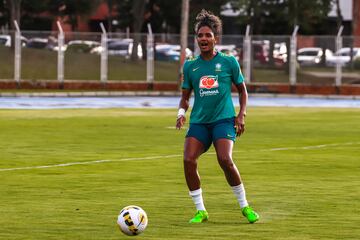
pixel 224 137
pixel 193 148
pixel 196 143
pixel 224 152
pixel 223 149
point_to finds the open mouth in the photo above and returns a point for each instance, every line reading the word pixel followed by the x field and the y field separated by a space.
pixel 204 44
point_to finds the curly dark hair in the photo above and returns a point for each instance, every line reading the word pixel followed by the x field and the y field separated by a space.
pixel 207 18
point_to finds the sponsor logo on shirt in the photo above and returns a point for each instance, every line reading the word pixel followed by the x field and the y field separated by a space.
pixel 208 86
pixel 209 82
pixel 206 93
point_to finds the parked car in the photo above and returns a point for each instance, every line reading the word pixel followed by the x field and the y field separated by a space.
pixel 343 56
pixel 170 52
pixel 39 43
pixel 81 46
pixel 119 47
pixel 229 49
pixel 280 54
pixel 310 56
pixel 5 40
pixel 259 51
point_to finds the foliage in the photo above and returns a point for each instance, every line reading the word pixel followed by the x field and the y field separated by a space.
pixel 357 64
pixel 280 16
pixel 4 13
pixel 34 6
pixel 265 16
pixel 164 15
pixel 72 8
pixel 29 8
pixel 124 15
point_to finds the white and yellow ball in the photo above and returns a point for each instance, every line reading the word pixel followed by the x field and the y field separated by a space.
pixel 132 220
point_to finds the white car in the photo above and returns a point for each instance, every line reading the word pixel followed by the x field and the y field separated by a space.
pixel 228 49
pixel 5 40
pixel 81 46
pixel 39 43
pixel 342 57
pixel 170 52
pixel 119 47
pixel 311 55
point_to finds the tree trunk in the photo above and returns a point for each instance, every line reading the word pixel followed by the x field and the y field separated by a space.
pixel 339 18
pixel 138 9
pixel 183 35
pixel 14 6
pixel 271 62
pixel 109 20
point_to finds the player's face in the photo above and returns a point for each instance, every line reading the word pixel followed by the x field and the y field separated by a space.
pixel 206 39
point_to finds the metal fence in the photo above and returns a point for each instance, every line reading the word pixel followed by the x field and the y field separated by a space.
pixel 58 56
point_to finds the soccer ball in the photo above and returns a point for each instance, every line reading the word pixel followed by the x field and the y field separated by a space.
pixel 132 220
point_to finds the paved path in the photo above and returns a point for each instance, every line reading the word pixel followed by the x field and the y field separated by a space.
pixel 26 102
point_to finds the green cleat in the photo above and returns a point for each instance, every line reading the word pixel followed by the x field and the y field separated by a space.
pixel 250 214
pixel 200 216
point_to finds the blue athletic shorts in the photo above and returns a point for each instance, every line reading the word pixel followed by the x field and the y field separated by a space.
pixel 207 133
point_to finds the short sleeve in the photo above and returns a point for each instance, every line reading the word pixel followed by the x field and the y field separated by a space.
pixel 186 84
pixel 237 74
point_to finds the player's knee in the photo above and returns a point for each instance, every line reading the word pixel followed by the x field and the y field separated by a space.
pixel 226 163
pixel 190 159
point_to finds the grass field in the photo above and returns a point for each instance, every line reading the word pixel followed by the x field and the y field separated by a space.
pixel 300 167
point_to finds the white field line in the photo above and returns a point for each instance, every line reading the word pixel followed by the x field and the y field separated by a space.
pixel 172 156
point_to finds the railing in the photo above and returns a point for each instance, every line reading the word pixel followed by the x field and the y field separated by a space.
pixel 317 60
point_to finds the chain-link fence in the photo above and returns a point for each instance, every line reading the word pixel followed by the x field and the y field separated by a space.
pixel 319 59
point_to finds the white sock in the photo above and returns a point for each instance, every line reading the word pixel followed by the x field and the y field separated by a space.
pixel 239 192
pixel 196 196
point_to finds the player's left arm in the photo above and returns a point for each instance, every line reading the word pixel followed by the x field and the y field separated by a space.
pixel 239 81
pixel 240 118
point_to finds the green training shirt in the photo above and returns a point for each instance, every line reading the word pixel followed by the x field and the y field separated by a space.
pixel 211 81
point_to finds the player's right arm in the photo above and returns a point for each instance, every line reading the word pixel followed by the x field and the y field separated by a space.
pixel 183 107
pixel 185 97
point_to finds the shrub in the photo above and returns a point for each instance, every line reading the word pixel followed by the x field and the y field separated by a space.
pixel 357 63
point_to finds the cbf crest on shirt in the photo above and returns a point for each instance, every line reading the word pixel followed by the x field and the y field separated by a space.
pixel 211 82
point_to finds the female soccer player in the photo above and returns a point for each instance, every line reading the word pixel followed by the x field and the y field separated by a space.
pixel 212 118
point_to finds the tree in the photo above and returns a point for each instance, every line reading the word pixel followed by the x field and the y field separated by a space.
pixel 72 8
pixel 280 16
pixel 30 11
pixel 183 34
pixel 124 15
pixel 163 15
pixel 171 9
pixel 137 10
pixel 14 6
pixel 4 13
pixel 310 15
pixel 27 8
pixel 339 17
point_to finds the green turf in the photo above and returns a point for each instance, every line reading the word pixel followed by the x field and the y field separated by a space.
pixel 300 193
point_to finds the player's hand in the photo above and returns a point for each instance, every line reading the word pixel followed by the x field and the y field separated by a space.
pixel 240 124
pixel 180 121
